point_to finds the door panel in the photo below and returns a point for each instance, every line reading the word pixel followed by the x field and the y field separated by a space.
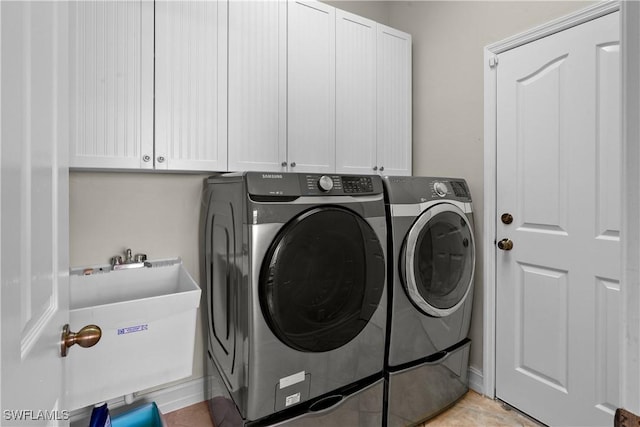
pixel 111 75
pixel 311 87
pixel 34 218
pixel 257 85
pixel 558 174
pixel 355 94
pixel 190 85
pixel 393 101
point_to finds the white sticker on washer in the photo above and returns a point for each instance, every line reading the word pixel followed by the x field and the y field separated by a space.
pixel 292 400
pixel 291 380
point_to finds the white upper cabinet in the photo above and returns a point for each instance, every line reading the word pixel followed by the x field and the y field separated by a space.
pixel 355 94
pixel 190 85
pixel 311 87
pixel 257 108
pixel 111 84
pixel 394 102
pixel 282 86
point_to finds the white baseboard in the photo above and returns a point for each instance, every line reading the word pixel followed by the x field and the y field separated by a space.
pixel 476 380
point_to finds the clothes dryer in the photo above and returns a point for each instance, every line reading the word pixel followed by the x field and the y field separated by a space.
pixel 294 266
pixel 431 270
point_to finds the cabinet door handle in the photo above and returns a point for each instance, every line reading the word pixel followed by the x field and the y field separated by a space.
pixel 293 164
pixel 375 168
pixel 160 159
pixel 283 164
pixel 146 158
pixel 381 168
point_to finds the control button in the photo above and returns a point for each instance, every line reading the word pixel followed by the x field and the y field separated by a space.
pixel 440 188
pixel 325 183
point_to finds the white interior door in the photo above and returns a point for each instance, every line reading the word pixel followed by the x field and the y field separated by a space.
pixel 34 215
pixel 558 175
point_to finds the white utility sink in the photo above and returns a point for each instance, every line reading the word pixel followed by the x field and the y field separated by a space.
pixel 147 316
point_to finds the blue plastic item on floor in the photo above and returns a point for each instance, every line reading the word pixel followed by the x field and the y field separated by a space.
pixel 100 417
pixel 143 416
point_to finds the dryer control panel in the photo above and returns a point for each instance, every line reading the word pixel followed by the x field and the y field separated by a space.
pixel 418 189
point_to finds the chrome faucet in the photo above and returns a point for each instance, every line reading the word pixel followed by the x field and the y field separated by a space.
pixel 140 260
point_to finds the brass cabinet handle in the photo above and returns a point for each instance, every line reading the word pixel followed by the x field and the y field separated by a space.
pixel 505 244
pixel 85 337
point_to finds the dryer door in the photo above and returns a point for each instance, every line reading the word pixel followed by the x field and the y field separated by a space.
pixel 322 279
pixel 438 260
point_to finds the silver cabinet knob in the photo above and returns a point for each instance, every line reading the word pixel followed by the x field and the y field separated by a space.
pixel 283 164
pixel 375 168
pixel 160 159
pixel 293 164
pixel 381 168
pixel 146 158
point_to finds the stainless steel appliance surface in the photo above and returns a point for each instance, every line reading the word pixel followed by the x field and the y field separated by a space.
pixel 295 274
pixel 431 270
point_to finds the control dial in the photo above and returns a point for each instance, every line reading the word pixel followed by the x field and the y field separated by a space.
pixel 325 183
pixel 440 188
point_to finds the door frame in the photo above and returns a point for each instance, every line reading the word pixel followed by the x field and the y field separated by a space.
pixel 630 295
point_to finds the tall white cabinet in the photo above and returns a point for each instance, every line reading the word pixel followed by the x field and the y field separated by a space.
pixel 257 108
pixel 355 94
pixel 190 85
pixel 311 87
pixel 111 84
pixel 393 102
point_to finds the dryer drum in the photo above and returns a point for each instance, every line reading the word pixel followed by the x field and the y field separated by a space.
pixel 322 279
pixel 438 261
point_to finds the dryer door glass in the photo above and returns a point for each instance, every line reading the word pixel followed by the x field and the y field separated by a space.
pixel 440 260
pixel 322 279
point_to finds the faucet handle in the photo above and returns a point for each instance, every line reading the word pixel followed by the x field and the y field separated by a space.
pixel 140 257
pixel 116 260
pixel 129 258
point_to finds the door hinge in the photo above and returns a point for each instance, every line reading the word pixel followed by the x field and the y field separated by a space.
pixel 493 62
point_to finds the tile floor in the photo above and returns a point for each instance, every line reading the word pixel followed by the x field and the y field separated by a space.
pixel 472 410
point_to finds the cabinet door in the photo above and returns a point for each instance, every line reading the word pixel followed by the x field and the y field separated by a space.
pixel 190 85
pixel 111 84
pixel 257 132
pixel 394 101
pixel 355 94
pixel 311 87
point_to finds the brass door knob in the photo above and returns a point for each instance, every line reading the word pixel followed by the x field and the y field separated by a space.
pixel 505 244
pixel 85 337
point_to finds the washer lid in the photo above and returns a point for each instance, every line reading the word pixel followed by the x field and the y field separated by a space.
pixel 438 260
pixel 322 279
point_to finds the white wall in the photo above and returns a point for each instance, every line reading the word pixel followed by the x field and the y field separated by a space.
pixel 159 213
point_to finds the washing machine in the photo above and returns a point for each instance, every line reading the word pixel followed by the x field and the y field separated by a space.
pixel 295 274
pixel 431 270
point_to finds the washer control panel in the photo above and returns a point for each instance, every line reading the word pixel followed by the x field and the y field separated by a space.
pixel 357 184
pixel 270 184
pixel 339 185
